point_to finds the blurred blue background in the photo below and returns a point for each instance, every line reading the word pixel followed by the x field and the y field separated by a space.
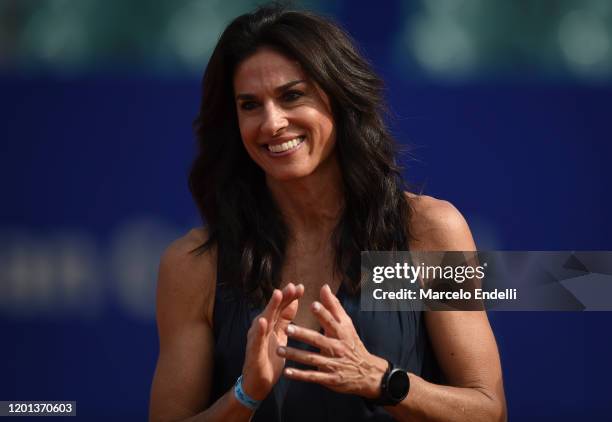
pixel 506 108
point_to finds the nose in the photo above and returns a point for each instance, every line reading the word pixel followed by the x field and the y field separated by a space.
pixel 274 120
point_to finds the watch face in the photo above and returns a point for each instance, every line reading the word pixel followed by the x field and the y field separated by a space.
pixel 399 384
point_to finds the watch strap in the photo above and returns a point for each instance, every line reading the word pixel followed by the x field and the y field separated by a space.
pixel 386 398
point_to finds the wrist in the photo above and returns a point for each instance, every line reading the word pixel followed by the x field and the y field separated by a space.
pixel 237 407
pixel 252 389
pixel 243 396
pixel 378 367
pixel 394 386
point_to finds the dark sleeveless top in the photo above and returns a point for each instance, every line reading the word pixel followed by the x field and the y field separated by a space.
pixel 399 336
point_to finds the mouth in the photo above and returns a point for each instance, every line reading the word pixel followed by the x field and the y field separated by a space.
pixel 286 146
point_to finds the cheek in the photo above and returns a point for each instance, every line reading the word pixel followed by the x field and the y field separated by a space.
pixel 322 123
pixel 326 127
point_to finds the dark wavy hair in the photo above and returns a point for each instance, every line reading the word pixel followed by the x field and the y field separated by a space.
pixel 244 222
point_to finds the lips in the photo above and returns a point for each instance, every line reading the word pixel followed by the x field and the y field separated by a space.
pixel 287 145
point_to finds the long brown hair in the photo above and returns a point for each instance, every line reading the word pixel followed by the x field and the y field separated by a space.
pixel 229 189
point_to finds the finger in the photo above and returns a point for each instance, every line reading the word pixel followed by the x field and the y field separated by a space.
pixel 292 292
pixel 287 312
pixel 291 295
pixel 282 323
pixel 288 294
pixel 272 306
pixel 305 357
pixel 326 345
pixel 331 302
pixel 326 319
pixel 286 316
pixel 328 379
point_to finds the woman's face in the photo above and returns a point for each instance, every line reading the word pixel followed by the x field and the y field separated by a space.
pixel 285 119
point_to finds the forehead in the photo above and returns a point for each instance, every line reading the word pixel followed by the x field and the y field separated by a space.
pixel 265 70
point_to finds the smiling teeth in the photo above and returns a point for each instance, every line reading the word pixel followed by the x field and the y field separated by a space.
pixel 286 146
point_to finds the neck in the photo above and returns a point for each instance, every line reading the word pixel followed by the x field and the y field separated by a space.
pixel 311 205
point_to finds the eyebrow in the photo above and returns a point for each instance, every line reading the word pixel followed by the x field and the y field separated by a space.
pixel 277 90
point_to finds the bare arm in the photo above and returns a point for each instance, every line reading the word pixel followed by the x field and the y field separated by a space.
pixel 185 297
pixel 182 383
pixel 463 341
pixel 473 372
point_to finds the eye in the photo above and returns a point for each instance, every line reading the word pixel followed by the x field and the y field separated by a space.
pixel 248 105
pixel 292 95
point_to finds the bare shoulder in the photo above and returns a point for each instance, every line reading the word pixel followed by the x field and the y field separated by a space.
pixel 181 248
pixel 437 225
pixel 185 291
pixel 187 278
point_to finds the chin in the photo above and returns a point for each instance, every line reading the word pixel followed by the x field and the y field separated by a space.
pixel 287 174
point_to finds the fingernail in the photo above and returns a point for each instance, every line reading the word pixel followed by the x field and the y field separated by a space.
pixel 288 371
pixel 316 306
pixel 327 287
pixel 281 351
pixel 290 329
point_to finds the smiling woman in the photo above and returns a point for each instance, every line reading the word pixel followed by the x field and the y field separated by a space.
pixel 259 311
pixel 285 119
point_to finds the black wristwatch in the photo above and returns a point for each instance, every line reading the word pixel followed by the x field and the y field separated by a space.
pixel 394 386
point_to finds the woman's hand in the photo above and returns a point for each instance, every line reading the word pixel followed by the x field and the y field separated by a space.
pixel 343 364
pixel 262 366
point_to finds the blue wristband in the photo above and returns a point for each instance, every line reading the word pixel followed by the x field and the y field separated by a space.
pixel 242 397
